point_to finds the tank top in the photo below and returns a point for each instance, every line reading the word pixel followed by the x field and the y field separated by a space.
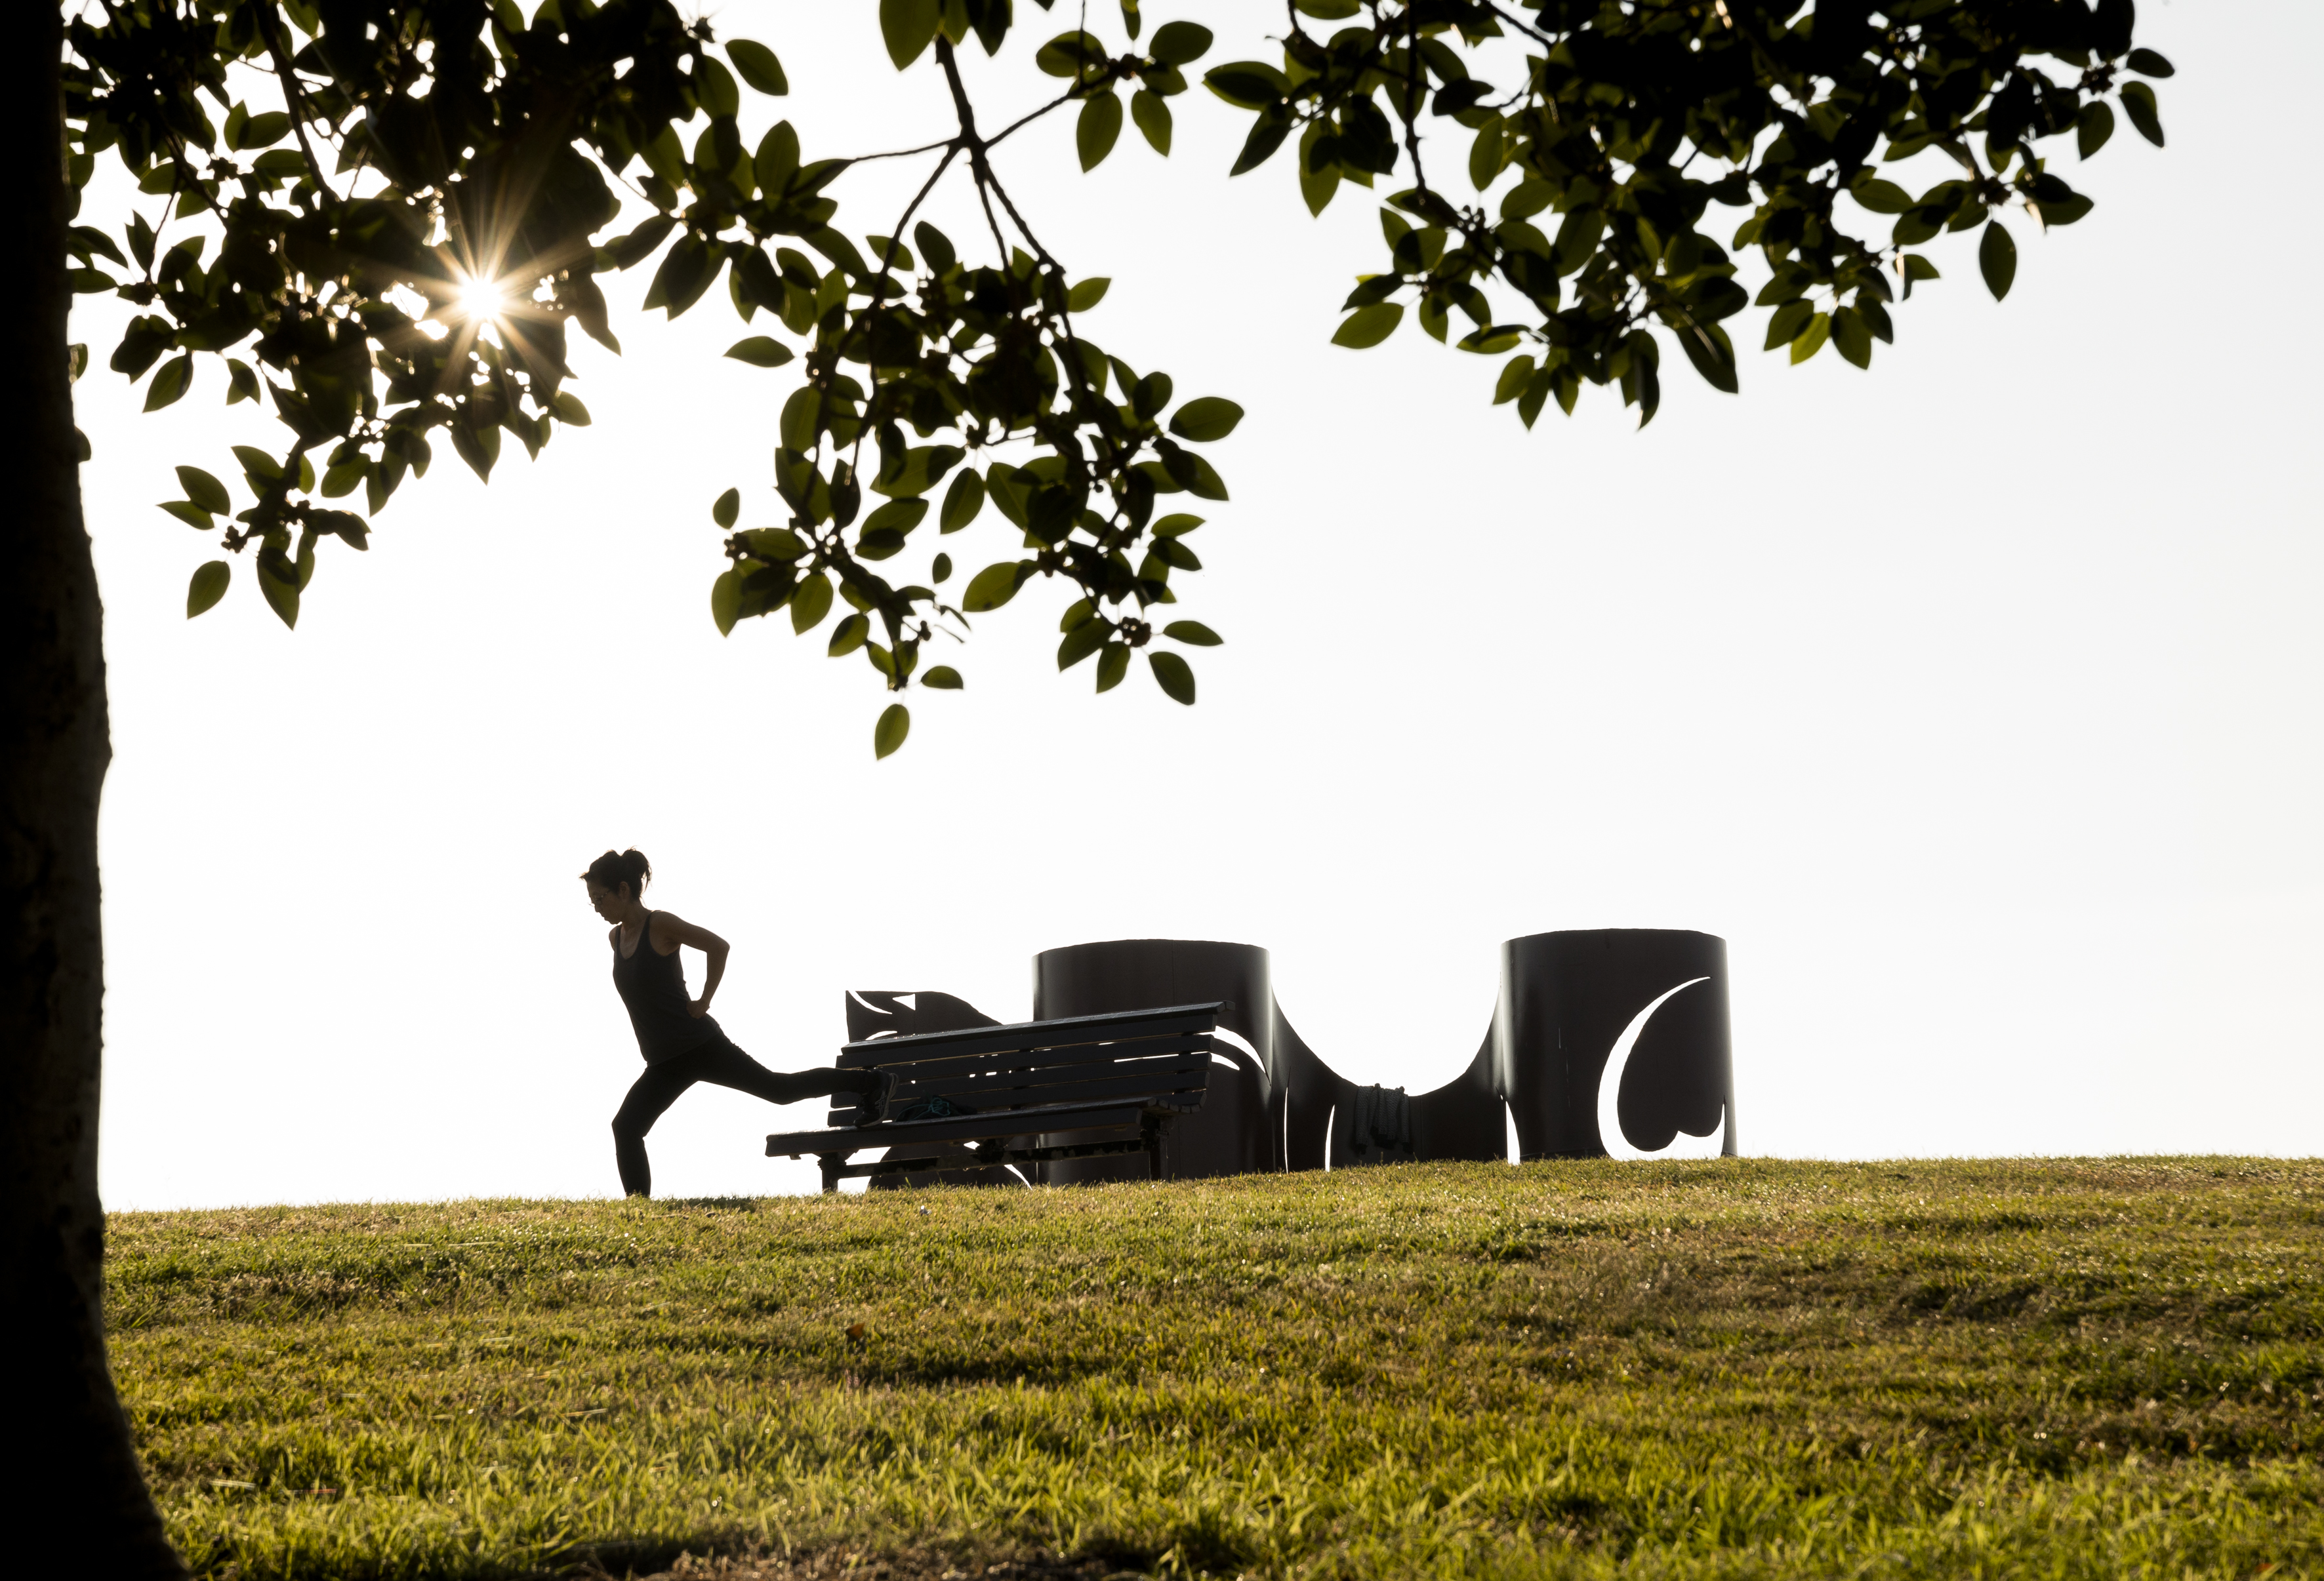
pixel 653 988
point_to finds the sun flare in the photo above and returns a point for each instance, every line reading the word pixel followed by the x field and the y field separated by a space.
pixel 481 300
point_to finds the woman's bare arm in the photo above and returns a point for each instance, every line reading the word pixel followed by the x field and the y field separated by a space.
pixel 676 931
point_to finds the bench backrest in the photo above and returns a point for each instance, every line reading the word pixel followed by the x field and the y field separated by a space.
pixel 1159 1058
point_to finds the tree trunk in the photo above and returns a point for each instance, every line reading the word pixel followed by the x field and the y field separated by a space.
pixel 75 1501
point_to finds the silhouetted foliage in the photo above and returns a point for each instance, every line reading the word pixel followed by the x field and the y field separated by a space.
pixel 406 238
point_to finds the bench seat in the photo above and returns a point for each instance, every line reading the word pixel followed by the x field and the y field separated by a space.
pixel 1083 1087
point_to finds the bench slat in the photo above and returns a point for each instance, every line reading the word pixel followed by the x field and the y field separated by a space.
pixel 1180 1093
pixel 1166 1070
pixel 1066 1116
pixel 1178 1089
pixel 1119 1051
pixel 1072 1032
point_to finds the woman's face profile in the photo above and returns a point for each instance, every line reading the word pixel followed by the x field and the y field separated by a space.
pixel 607 903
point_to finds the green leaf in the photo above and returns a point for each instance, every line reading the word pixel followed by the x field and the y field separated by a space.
pixel 1175 552
pixel 1811 339
pixel 1070 54
pixel 208 587
pixel 1881 197
pixel 1177 524
pixel 1081 641
pixel 907 26
pixel 897 516
pixel 759 67
pixel 837 247
pixel 728 507
pixel 1713 353
pixel 2138 104
pixel 278 580
pixel 1205 482
pixel 725 601
pixel 1174 674
pixel 568 409
pixel 1368 327
pixel 1851 335
pixel 204 490
pixel 940 569
pixel 921 467
pixel 811 602
pixel 943 677
pixel 2093 127
pixel 2145 62
pixel 894 725
pixel 1789 322
pixel 1997 258
pixel 1193 633
pixel 191 513
pixel 1151 113
pixel 1516 375
pixel 176 377
pixel 1212 416
pixel 936 247
pixel 260 468
pixel 962 501
pixel 995 585
pixel 1113 664
pixel 800 420
pixel 778 158
pixel 1087 294
pixel 1098 128
pixel 714 89
pixel 271 127
pixel 1247 85
pixel 760 351
pixel 1180 44
pixel 687 269
pixel 1266 135
pixel 479 450
pixel 1487 154
pixel 774 543
pixel 848 635
pixel 1319 174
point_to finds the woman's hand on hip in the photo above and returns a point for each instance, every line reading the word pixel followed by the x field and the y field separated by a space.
pixel 698 1008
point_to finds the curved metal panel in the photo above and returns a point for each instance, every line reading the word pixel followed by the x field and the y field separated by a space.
pixel 1604 1041
pixel 1568 999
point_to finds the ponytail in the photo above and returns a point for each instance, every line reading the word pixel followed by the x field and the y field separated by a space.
pixel 615 869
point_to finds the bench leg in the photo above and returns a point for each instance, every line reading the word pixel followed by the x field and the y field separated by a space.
pixel 831 1162
pixel 1153 1150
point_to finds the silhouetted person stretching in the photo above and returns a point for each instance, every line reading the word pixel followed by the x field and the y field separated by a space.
pixel 681 1043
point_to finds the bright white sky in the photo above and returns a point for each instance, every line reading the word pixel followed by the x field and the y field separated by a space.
pixel 1973 700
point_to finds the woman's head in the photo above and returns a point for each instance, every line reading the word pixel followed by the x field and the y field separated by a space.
pixel 616 880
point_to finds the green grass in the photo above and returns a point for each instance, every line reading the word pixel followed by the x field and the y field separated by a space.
pixel 2058 1369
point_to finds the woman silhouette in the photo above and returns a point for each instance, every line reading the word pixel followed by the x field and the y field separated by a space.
pixel 681 1043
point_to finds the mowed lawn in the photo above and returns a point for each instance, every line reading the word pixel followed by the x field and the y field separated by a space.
pixel 2056 1368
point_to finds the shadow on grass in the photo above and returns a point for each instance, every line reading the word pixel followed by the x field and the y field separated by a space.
pixel 709 1560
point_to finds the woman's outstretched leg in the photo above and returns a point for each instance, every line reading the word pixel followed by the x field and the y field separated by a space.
pixel 727 1066
pixel 648 1097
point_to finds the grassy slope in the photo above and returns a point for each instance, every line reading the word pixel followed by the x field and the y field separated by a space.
pixel 1743 1368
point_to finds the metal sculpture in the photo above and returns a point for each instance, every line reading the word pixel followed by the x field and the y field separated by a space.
pixel 1605 1042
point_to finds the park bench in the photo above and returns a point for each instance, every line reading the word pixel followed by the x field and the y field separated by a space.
pixel 989 1096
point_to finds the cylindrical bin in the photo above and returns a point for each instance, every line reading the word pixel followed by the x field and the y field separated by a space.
pixel 1240 1126
pixel 1615 1041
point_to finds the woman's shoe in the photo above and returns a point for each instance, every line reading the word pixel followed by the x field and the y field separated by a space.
pixel 873 1107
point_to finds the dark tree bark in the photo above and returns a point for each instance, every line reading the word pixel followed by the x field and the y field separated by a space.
pixel 75 1499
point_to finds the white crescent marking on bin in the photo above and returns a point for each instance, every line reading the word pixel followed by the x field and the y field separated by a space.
pixel 1686 1144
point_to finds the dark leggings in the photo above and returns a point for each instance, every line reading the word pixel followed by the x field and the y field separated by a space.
pixel 724 1065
